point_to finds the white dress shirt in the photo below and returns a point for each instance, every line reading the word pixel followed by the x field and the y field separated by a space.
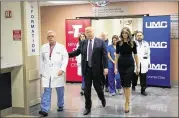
pixel 88 45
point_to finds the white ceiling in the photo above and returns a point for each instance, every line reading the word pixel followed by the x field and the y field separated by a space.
pixel 73 2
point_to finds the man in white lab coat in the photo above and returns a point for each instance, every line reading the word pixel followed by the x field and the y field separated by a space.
pixel 53 63
pixel 143 51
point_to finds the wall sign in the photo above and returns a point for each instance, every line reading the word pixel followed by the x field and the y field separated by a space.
pixel 109 11
pixel 174 26
pixel 8 14
pixel 16 35
pixel 32 28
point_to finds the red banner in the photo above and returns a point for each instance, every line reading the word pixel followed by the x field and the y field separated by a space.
pixel 74 27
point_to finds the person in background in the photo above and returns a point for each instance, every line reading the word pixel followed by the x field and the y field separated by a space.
pixel 104 36
pixel 111 64
pixel 143 50
pixel 53 63
pixel 125 62
pixel 134 35
pixel 78 59
pixel 94 66
pixel 117 76
pixel 135 76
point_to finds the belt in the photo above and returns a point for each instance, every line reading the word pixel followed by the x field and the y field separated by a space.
pixel 144 57
pixel 126 55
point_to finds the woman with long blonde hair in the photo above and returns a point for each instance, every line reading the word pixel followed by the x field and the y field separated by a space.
pixel 124 62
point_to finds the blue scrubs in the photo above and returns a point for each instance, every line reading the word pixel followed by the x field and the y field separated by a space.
pixel 118 81
pixel 46 98
pixel 83 83
pixel 105 81
pixel 106 42
pixel 111 74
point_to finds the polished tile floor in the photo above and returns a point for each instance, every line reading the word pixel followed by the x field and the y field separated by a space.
pixel 159 103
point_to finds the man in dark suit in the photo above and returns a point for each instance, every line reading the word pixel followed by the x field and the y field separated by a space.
pixel 94 64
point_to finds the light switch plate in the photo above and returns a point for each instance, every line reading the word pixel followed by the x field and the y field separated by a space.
pixel 33 75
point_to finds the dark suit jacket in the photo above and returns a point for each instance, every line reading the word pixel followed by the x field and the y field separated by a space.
pixel 99 56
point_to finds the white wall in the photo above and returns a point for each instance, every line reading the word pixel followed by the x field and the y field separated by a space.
pixel 11 51
pixel 114 26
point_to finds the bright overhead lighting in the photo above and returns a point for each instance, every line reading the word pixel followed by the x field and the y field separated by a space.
pixel 58 2
pixel 63 2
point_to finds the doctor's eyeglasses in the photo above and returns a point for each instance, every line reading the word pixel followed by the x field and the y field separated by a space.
pixel 50 36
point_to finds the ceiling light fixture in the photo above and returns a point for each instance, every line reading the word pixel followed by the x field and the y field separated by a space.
pixel 59 2
pixel 67 2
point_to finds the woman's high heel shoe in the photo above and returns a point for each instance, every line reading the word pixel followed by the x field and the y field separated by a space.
pixel 127 107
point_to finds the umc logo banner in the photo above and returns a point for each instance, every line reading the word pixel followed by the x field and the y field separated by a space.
pixel 157 34
pixel 159 24
pixel 162 44
pixel 159 67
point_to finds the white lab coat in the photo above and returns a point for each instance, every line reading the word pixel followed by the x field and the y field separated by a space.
pixel 49 68
pixel 143 51
pixel 78 59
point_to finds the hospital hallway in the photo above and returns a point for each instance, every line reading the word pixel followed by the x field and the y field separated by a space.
pixel 159 103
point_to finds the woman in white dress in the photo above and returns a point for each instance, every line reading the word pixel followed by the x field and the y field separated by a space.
pixel 78 59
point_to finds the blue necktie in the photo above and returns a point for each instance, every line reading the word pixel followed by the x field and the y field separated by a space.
pixel 90 53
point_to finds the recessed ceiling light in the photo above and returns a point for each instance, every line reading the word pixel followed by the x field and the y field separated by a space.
pixel 59 2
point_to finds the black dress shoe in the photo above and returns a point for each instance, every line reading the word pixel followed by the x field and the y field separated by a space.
pixel 82 93
pixel 133 88
pixel 144 93
pixel 106 89
pixel 60 109
pixel 103 102
pixel 86 112
pixel 44 114
pixel 126 111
